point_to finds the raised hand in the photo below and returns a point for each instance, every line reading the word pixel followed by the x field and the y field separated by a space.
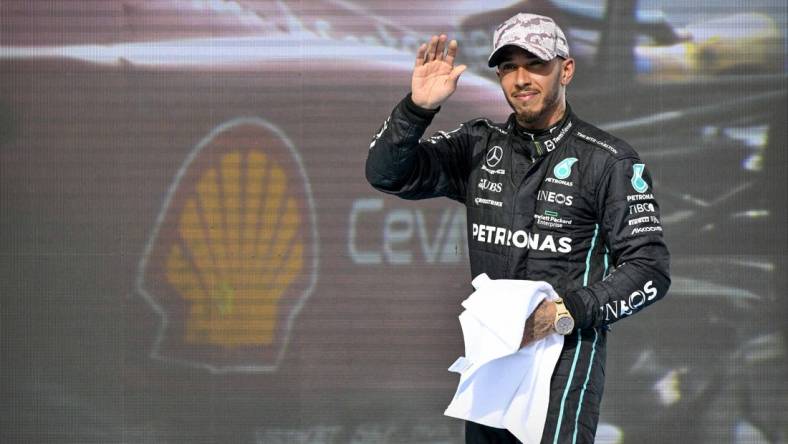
pixel 435 76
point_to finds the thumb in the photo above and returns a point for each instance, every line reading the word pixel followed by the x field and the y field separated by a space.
pixel 455 73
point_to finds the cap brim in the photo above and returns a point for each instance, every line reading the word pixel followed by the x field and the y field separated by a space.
pixel 494 58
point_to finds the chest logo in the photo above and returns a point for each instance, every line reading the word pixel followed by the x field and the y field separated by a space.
pixel 494 156
pixel 487 185
pixel 559 198
pixel 638 183
pixel 564 168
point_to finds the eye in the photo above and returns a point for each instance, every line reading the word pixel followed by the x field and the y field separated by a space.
pixel 507 67
pixel 536 62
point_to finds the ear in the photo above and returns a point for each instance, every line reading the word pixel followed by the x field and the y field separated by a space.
pixel 567 71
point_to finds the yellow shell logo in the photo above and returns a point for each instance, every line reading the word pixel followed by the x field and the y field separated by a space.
pixel 233 256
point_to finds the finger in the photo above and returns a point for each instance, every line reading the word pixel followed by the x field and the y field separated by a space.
pixel 455 73
pixel 431 49
pixel 441 47
pixel 451 53
pixel 420 54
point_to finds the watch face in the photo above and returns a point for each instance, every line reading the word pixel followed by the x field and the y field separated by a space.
pixel 564 325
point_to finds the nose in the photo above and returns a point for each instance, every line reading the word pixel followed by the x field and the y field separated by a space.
pixel 522 77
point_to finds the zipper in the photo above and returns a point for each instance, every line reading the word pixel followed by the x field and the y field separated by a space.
pixel 539 149
pixel 535 162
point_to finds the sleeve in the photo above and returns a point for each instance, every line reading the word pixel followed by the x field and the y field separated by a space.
pixel 630 224
pixel 400 163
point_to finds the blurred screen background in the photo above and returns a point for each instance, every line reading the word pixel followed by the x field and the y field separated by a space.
pixel 191 253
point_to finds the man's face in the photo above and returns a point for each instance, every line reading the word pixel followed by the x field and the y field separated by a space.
pixel 534 88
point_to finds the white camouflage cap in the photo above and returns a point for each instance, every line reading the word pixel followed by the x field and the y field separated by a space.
pixel 536 34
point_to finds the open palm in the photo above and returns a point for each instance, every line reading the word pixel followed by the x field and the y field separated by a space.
pixel 435 76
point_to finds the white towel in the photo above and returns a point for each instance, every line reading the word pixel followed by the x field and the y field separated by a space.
pixel 502 385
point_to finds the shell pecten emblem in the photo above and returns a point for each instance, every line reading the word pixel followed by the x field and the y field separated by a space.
pixel 233 256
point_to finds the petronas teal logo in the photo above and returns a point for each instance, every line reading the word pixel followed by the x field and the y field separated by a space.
pixel 564 168
pixel 638 183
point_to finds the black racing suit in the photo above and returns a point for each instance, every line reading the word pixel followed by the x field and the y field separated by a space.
pixel 572 206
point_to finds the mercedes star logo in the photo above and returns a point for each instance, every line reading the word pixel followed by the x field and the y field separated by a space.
pixel 494 156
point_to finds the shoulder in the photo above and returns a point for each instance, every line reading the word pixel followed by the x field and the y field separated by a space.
pixel 606 144
pixel 468 131
pixel 478 127
pixel 483 124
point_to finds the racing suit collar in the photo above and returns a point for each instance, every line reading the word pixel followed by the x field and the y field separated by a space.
pixel 543 141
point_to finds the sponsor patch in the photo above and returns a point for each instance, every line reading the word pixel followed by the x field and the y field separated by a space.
pixel 642 208
pixel 551 220
pixel 559 181
pixel 520 239
pixel 481 200
pixel 559 198
pixel 551 144
pixel 647 230
pixel 639 220
pixel 442 135
pixel 563 132
pixel 494 156
pixel 597 142
pixel 491 171
pixel 636 300
pixel 638 197
pixel 487 185
pixel 638 183
pixel 564 168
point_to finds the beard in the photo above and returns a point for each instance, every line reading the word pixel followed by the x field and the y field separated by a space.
pixel 549 104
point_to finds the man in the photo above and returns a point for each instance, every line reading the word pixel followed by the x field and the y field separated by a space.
pixel 549 198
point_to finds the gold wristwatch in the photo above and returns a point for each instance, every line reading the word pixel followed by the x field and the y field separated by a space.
pixel 564 322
